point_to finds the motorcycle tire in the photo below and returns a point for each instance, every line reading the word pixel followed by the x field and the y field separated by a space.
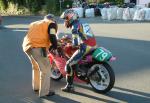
pixel 55 73
pixel 102 81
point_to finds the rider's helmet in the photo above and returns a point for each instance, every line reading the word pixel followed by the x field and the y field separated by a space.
pixel 70 16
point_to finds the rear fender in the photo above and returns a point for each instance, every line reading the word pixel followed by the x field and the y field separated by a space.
pixel 113 58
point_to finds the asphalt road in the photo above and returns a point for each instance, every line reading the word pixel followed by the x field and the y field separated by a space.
pixel 128 41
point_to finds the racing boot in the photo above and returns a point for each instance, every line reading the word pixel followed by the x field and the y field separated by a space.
pixel 69 87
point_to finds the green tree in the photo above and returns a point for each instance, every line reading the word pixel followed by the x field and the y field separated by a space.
pixel 3 4
pixel 120 2
pixel 115 1
pixel 52 6
pixel 34 5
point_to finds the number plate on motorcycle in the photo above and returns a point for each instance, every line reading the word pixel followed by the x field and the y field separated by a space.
pixel 101 54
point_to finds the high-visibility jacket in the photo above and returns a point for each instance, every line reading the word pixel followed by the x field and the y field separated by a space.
pixel 37 35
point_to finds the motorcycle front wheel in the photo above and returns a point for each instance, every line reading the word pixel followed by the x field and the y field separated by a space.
pixel 102 81
pixel 55 73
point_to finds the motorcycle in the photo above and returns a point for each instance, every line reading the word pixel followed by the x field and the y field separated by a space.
pixel 92 69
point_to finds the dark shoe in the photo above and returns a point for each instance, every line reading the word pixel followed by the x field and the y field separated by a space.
pixel 36 91
pixel 51 93
pixel 68 88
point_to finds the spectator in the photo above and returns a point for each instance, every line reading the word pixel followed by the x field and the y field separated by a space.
pixel 40 37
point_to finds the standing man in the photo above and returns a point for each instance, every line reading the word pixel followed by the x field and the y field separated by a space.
pixel 40 37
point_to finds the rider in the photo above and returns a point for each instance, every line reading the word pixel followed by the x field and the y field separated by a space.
pixel 83 37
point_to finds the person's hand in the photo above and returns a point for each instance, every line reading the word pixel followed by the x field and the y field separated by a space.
pixel 75 47
pixel 50 49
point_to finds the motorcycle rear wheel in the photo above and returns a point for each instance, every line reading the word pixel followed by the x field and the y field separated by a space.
pixel 102 81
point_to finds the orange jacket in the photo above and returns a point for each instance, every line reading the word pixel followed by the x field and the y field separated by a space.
pixel 37 35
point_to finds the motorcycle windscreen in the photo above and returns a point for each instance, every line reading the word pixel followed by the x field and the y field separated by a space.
pixel 101 54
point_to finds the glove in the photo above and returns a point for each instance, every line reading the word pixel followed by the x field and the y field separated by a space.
pixel 75 46
pixel 50 49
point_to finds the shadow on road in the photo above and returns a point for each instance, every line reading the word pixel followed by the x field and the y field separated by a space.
pixel 93 97
pixel 146 95
pixel 121 94
pixel 59 99
pixel 129 95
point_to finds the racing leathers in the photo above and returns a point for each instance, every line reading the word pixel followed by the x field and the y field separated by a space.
pixel 83 37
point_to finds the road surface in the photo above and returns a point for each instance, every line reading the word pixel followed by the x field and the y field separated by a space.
pixel 128 41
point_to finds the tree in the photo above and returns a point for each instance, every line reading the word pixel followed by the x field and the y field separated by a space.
pixel 3 4
pixel 52 6
pixel 34 5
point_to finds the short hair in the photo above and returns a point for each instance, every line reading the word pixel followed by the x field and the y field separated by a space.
pixel 49 16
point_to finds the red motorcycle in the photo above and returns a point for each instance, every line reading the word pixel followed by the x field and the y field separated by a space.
pixel 93 69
